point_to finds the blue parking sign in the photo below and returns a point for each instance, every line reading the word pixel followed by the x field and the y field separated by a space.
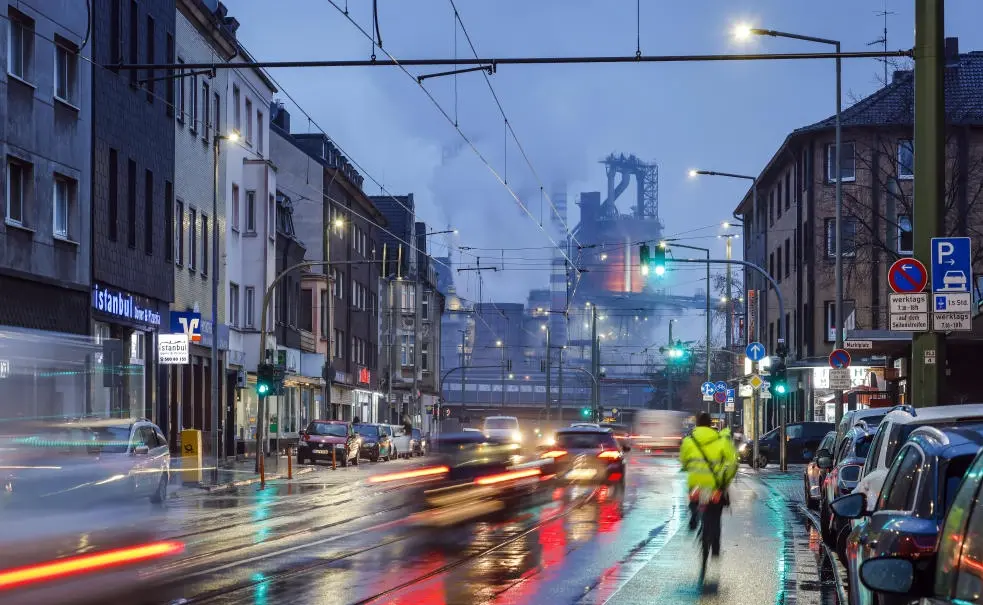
pixel 952 264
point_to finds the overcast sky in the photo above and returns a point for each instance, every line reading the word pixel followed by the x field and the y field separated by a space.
pixel 722 116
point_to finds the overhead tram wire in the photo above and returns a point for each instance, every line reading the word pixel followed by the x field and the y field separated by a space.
pixel 508 125
pixel 470 143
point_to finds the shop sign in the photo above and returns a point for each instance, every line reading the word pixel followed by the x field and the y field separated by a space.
pixel 186 322
pixel 123 305
pixel 173 349
pixel 364 376
pixel 342 378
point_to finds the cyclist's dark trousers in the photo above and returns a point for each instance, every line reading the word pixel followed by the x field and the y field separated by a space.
pixel 694 513
pixel 711 525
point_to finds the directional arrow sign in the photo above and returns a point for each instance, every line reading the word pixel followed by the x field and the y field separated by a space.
pixel 755 351
pixel 708 389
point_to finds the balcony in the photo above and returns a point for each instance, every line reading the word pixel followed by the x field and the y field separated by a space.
pixel 308 343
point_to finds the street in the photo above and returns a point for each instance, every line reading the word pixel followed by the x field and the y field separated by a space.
pixel 333 537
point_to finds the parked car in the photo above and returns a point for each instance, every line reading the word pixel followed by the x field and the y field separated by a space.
pixel 328 440
pixel 402 447
pixel 893 431
pixel 812 477
pixel 420 443
pixel 843 470
pixel 375 444
pixel 587 455
pixel 802 442
pixel 871 417
pixel 918 491
pixel 958 578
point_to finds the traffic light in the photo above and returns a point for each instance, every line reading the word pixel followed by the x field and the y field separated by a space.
pixel 264 379
pixel 675 352
pixel 585 412
pixel 645 256
pixel 779 378
pixel 659 259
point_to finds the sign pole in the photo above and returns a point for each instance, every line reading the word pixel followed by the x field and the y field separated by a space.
pixel 929 205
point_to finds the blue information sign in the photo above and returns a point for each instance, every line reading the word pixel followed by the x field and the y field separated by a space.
pixel 755 351
pixel 720 387
pixel 952 264
pixel 708 389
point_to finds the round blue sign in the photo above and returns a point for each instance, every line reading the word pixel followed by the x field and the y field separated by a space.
pixel 721 387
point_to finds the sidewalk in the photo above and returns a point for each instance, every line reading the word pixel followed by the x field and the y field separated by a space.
pixel 231 475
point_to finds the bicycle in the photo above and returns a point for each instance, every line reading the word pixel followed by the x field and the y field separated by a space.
pixel 710 512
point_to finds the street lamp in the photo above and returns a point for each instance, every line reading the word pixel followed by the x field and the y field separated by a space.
pixel 232 137
pixel 838 222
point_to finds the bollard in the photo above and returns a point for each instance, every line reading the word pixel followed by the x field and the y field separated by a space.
pixel 290 464
pixel 262 466
pixel 334 460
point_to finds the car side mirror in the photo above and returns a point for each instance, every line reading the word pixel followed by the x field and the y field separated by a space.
pixel 824 459
pixel 141 450
pixel 850 506
pixel 888 574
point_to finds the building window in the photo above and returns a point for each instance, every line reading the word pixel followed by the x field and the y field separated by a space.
pixel 771 264
pixel 192 239
pixel 307 309
pixel 250 308
pixel 65 191
pixel 218 113
pixel 169 42
pixel 66 73
pixel 408 298
pixel 205 104
pixel 18 183
pixel 778 265
pixel 906 159
pixel 323 313
pixel 788 190
pixel 259 132
pixel 849 318
pixel 131 203
pixel 788 257
pixel 339 344
pixel 407 349
pixel 193 97
pixel 148 212
pixel 778 201
pixel 204 244
pixel 116 32
pixel 271 217
pixel 339 284
pixel 250 212
pixel 168 221
pixel 113 210
pixel 906 240
pixel 181 107
pixel 179 234
pixel 235 207
pixel 425 356
pixel 249 121
pixel 771 208
pixel 236 110
pixel 848 166
pixel 20 45
pixel 425 306
pixel 151 59
pixel 848 243
pixel 134 40
pixel 234 305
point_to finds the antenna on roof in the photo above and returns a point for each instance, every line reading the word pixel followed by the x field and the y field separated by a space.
pixel 883 40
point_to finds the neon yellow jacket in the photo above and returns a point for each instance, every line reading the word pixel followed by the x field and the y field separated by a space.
pixel 719 450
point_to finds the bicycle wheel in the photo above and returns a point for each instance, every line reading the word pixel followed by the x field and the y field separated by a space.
pixel 705 539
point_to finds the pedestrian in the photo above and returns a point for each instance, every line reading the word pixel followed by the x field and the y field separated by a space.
pixel 710 460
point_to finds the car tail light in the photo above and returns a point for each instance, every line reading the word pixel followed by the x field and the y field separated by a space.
pixel 615 477
pixel 493 479
pixel 610 455
pixel 553 454
pixel 414 474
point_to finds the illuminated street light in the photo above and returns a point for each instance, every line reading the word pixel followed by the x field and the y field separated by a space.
pixel 604 257
pixel 693 173
pixel 339 222
pixel 743 31
pixel 498 343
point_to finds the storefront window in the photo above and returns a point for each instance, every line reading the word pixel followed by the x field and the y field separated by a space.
pixel 246 413
pixel 136 381
pixel 307 411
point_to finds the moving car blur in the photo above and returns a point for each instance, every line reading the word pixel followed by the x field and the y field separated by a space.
pixel 584 454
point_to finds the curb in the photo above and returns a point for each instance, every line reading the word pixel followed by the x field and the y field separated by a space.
pixel 224 487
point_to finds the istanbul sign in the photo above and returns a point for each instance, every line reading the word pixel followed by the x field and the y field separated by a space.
pixel 123 305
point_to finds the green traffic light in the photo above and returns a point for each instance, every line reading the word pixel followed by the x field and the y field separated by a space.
pixel 262 389
pixel 585 412
pixel 781 389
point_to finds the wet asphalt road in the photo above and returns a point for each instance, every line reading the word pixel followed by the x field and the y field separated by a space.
pixel 334 538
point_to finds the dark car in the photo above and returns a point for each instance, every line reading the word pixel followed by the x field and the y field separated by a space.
pixel 418 443
pixel 587 455
pixel 376 443
pixel 327 439
pixel 959 566
pixel 919 489
pixel 812 477
pixel 802 443
pixel 843 469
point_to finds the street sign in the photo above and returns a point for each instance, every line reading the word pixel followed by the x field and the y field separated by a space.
pixel 839 358
pixel 755 381
pixel 708 388
pixel 930 357
pixel 708 398
pixel 746 391
pixel 720 397
pixel 755 351
pixel 765 393
pixel 4 368
pixel 957 302
pixel 729 407
pixel 952 264
pixel 839 379
pixel 909 322
pixel 907 275
pixel 731 395
pixel 952 322
pixel 858 345
pixel 909 303
pixel 720 387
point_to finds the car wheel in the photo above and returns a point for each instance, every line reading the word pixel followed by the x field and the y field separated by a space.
pixel 824 528
pixel 810 501
pixel 160 494
pixel 374 458
pixel 344 460
pixel 300 459
pixel 762 461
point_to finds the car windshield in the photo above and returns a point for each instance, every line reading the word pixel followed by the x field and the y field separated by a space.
pixel 585 441
pixel 327 429
pixel 501 423
pixel 112 439
pixel 873 421
pixel 367 430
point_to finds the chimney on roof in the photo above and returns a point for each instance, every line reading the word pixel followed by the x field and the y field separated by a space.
pixel 217 8
pixel 231 25
pixel 952 52
pixel 281 117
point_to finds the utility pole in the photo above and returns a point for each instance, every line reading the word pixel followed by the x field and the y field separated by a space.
pixel 669 368
pixel 559 396
pixel 549 393
pixel 838 267
pixel 503 374
pixel 464 365
pixel 929 206
pixel 594 359
pixel 729 337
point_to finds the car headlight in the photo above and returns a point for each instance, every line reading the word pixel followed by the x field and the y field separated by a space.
pixel 516 436
pixel 743 448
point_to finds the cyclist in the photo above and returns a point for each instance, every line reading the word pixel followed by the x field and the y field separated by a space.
pixel 711 461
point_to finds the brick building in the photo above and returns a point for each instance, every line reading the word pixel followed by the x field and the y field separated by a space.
pixel 793 234
pixel 132 189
